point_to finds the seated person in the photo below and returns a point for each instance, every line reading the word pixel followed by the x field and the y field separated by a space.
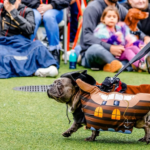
pixel 118 33
pixel 143 24
pixel 96 53
pixel 19 56
pixel 142 5
pixel 50 13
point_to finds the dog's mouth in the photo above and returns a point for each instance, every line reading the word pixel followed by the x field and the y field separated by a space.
pixel 55 91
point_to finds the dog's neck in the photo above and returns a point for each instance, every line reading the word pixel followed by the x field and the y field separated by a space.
pixel 132 26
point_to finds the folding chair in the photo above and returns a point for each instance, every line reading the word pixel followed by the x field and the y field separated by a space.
pixel 63 24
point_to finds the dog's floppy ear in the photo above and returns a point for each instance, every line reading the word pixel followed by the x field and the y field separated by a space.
pixel 128 20
pixel 75 102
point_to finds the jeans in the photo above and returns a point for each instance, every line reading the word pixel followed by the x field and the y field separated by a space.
pixel 50 20
pixel 122 1
pixel 97 56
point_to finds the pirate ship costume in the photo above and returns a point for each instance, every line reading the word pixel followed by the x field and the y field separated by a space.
pixel 105 107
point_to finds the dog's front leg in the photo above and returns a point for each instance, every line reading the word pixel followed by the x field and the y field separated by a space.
pixel 75 126
pixel 93 136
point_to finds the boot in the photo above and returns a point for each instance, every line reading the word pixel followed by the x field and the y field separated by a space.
pixel 56 55
pixel 148 62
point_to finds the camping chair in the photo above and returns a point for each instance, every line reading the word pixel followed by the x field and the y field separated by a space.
pixel 63 24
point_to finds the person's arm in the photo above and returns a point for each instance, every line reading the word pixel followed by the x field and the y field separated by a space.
pixel 31 3
pixel 25 24
pixel 91 17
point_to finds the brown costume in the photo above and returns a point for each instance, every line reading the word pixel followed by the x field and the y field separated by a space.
pixel 114 111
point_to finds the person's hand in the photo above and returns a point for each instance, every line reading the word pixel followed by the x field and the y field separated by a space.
pixel 141 46
pixel 116 50
pixel 146 39
pixel 73 1
pixel 119 35
pixel 8 6
pixel 43 8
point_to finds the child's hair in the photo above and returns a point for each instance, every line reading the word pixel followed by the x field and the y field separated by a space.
pixel 109 8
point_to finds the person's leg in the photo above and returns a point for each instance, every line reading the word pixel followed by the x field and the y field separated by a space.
pixel 51 19
pixel 128 54
pixel 97 56
pixel 37 21
pixel 136 50
pixel 73 21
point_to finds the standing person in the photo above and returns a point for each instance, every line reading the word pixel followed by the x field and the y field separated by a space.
pixel 49 12
pixel 118 33
pixel 95 53
pixel 19 56
pixel 74 17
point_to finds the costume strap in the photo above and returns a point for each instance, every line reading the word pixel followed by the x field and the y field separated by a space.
pixel 136 32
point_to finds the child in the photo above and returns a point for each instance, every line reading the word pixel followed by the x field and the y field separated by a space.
pixel 118 33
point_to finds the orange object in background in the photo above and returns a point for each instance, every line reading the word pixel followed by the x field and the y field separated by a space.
pixel 80 22
pixel 68 35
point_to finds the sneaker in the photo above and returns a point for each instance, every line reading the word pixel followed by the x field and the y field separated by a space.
pixel 56 55
pixel 142 66
pixel 63 56
pixel 114 66
pixel 148 63
pixel 47 72
pixel 79 59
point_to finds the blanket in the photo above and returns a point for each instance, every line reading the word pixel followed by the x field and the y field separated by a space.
pixel 20 56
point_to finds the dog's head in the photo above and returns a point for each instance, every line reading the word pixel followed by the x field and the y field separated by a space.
pixel 64 91
pixel 134 15
pixel 61 90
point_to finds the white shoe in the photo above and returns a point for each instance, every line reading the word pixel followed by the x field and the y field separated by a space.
pixel 63 56
pixel 47 72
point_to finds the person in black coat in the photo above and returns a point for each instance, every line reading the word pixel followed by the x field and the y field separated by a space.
pixel 144 6
pixel 49 12
pixel 19 56
pixel 143 24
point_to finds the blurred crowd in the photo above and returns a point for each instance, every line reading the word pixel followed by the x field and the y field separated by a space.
pixel 109 39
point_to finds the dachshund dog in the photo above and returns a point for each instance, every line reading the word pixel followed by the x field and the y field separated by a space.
pixel 64 90
pixel 132 18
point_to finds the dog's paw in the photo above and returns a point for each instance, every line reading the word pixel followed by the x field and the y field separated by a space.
pixel 66 134
pixel 90 139
pixel 142 139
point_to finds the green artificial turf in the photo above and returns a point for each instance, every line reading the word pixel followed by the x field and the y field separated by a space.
pixel 32 121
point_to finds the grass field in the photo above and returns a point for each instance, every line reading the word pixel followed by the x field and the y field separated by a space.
pixel 32 121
